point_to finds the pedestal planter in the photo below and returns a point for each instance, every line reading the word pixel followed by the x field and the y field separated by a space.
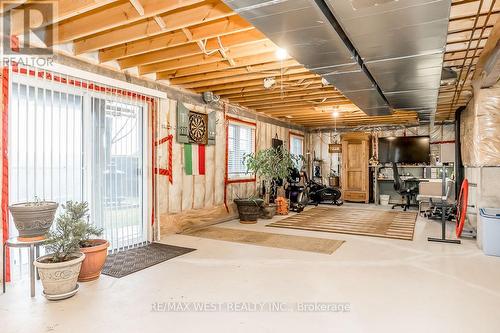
pixel 95 257
pixel 59 279
pixel 249 210
pixel 33 219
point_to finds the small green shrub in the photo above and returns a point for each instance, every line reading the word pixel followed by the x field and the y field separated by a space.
pixel 71 232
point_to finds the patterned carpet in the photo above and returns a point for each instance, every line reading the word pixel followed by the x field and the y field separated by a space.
pixel 356 221
pixel 126 262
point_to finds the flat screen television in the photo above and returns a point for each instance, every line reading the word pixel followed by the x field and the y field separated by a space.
pixel 406 150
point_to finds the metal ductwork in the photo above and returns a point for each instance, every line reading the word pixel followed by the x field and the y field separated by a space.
pixel 381 54
pixel 402 43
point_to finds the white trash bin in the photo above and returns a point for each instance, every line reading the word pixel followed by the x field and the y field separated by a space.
pixel 490 218
pixel 384 199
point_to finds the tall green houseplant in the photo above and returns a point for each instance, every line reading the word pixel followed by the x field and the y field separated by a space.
pixel 271 163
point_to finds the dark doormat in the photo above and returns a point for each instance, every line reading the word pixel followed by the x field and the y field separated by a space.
pixel 126 262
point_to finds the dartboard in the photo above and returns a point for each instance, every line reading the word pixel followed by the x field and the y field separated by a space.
pixel 198 127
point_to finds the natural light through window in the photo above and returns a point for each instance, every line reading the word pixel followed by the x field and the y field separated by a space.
pixel 297 147
pixel 241 141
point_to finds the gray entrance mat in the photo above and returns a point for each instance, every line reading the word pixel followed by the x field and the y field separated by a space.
pixel 126 262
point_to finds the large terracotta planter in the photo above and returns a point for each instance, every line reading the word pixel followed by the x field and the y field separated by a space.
pixel 95 257
pixel 59 279
pixel 33 220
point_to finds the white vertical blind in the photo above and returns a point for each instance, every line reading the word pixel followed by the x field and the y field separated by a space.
pixel 45 151
pixel 76 142
pixel 241 141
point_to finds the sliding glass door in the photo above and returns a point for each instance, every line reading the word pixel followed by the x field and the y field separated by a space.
pixel 117 171
pixel 67 143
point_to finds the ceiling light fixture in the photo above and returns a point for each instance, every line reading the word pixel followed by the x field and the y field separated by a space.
pixel 335 114
pixel 281 54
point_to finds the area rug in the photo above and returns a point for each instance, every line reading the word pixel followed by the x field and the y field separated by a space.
pixel 126 262
pixel 355 221
pixel 289 242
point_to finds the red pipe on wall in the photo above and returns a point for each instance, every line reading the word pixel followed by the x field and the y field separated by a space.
pixel 5 168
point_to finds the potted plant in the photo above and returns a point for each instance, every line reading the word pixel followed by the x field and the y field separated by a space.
pixel 269 165
pixel 95 250
pixel 33 219
pixel 60 268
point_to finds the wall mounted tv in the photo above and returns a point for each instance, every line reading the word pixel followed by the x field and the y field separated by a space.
pixel 406 150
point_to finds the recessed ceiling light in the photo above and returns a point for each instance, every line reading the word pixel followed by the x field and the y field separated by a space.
pixel 335 114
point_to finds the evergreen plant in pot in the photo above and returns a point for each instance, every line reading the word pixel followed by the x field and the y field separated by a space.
pixel 33 219
pixel 60 268
pixel 270 164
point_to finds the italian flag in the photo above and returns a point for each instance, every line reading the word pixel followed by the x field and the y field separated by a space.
pixel 194 159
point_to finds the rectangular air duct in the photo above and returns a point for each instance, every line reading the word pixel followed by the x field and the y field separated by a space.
pixel 381 54
pixel 308 33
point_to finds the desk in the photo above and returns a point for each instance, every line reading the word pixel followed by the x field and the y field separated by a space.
pixel 34 246
pixel 419 172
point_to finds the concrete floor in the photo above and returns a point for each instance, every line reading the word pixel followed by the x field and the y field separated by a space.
pixel 389 285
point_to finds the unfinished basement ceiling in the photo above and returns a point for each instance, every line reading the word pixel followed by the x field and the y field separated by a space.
pixel 203 45
pixel 382 55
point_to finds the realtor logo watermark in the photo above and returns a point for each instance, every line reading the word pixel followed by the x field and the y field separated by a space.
pixel 306 307
pixel 25 28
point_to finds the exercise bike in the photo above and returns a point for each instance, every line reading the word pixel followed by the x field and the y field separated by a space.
pixel 319 193
pixel 296 192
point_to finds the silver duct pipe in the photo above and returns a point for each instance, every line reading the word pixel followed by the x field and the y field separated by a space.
pixel 313 36
pixel 381 54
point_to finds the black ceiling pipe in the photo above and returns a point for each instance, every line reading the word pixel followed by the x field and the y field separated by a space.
pixel 459 167
pixel 357 57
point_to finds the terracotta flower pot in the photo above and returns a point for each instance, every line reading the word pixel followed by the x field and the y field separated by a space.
pixel 95 257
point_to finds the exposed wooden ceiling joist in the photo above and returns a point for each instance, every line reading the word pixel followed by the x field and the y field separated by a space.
pixel 63 10
pixel 256 48
pixel 212 29
pixel 116 15
pixel 189 49
pixel 174 20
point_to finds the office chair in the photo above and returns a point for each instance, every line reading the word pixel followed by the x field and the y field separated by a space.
pixel 402 188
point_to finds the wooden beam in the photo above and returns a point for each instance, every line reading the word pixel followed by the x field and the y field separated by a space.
pixel 186 50
pixel 489 47
pixel 241 78
pixel 5 7
pixel 290 87
pixel 458 47
pixel 161 24
pixel 277 95
pixel 329 102
pixel 259 68
pixel 257 48
pixel 212 29
pixel 468 24
pixel 286 102
pixel 64 10
pixel 138 7
pixel 178 19
pixel 259 82
pixel 113 17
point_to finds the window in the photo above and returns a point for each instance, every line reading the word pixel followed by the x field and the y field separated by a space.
pixel 297 147
pixel 240 141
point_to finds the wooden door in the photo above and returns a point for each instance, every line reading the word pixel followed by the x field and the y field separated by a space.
pixel 355 169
